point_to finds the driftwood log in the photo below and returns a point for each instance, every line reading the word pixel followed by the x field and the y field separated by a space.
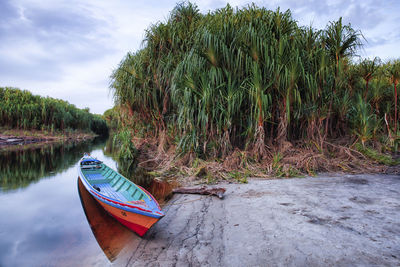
pixel 219 192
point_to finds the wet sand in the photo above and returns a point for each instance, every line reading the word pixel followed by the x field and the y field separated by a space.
pixel 344 220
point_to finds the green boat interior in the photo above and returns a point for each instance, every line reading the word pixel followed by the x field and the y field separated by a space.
pixel 110 183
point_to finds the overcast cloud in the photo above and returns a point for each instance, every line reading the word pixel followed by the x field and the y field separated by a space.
pixel 68 49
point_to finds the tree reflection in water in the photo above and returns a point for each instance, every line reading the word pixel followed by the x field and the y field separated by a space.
pixel 112 237
pixel 19 168
pixel 161 190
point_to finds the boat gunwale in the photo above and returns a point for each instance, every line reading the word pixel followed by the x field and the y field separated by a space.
pixel 150 195
pixel 117 203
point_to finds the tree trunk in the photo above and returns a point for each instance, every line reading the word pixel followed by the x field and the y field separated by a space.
pixel 226 143
pixel 311 128
pixel 282 126
pixel 328 118
pixel 395 107
pixel 259 145
pixel 377 107
pixel 366 90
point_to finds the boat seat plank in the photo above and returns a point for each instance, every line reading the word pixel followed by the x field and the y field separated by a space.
pixel 120 186
pixel 107 172
pixel 112 176
pixel 109 191
pixel 116 181
pixel 98 181
pixel 94 176
pixel 138 195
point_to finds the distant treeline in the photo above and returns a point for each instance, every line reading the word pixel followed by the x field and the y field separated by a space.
pixel 23 110
pixel 252 77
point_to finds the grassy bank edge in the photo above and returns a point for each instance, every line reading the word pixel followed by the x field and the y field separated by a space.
pixel 34 138
pixel 297 160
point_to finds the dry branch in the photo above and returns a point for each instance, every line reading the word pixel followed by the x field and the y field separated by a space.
pixel 219 192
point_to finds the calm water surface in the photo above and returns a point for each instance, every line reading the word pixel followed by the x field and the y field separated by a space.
pixel 47 220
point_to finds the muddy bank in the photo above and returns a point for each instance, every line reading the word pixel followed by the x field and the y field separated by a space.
pixel 11 140
pixel 340 220
pixel 14 140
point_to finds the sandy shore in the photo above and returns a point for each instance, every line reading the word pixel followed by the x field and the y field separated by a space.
pixel 342 220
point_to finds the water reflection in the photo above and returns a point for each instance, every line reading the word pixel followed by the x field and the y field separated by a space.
pixel 43 225
pixel 19 168
pixel 111 236
pixel 161 190
pixel 43 222
pixel 128 168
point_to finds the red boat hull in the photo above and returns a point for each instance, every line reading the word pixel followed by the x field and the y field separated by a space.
pixel 139 229
pixel 138 223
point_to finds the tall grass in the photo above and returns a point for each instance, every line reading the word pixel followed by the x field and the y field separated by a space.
pixel 23 110
pixel 251 77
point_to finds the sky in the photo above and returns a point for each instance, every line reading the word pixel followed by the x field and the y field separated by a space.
pixel 68 49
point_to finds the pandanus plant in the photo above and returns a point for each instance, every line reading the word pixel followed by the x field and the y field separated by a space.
pixel 367 69
pixel 393 72
pixel 21 109
pixel 244 78
pixel 341 41
pixel 364 121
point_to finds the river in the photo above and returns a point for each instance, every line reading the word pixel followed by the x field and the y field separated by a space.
pixel 47 220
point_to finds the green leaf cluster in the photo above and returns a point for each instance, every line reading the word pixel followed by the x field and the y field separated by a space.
pixel 23 110
pixel 242 78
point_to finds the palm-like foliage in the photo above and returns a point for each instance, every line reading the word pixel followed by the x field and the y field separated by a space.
pixel 341 41
pixel 364 121
pixel 21 109
pixel 241 78
pixel 368 68
pixel 393 71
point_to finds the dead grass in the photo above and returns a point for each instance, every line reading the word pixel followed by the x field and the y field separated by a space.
pixel 295 160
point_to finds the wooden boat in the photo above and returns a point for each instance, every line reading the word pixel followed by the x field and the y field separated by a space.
pixel 127 202
pixel 111 235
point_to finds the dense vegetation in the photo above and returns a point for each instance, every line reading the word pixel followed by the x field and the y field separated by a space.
pixel 253 79
pixel 22 110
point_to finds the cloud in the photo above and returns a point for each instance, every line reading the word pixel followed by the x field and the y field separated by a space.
pixel 377 20
pixel 41 43
pixel 50 21
pixel 46 38
pixel 8 12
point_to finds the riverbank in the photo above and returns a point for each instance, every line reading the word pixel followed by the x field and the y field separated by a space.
pixel 163 162
pixel 328 220
pixel 15 138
